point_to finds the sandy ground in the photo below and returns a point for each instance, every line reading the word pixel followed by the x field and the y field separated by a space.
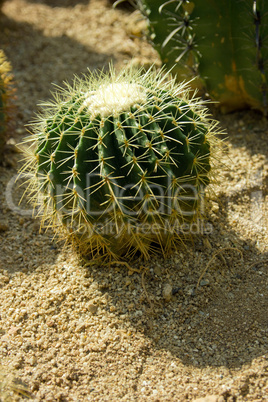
pixel 75 333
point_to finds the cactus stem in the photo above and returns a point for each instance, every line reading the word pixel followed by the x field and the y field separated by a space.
pixel 121 182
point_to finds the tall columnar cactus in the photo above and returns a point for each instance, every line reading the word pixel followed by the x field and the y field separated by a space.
pixel 224 43
pixel 5 78
pixel 121 161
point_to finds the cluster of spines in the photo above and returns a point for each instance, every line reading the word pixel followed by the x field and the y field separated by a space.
pixel 164 142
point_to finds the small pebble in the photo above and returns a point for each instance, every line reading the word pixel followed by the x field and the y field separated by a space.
pixel 93 308
pixel 208 398
pixel 167 292
pixel 3 226
pixel 204 282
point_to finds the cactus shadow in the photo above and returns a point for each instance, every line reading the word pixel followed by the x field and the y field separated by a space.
pixel 221 323
pixel 224 321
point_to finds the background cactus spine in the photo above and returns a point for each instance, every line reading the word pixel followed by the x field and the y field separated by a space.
pixel 120 162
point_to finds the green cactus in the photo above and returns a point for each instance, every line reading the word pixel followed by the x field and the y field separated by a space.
pixel 121 161
pixel 223 44
pixel 5 79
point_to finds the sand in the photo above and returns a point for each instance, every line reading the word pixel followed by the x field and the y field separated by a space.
pixel 70 332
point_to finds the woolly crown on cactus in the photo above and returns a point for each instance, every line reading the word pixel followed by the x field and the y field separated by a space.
pixel 223 44
pixel 120 161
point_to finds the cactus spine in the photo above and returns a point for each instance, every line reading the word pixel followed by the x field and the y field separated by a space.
pixel 120 161
pixel 222 43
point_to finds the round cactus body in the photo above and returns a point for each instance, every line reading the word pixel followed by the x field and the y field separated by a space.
pixel 121 162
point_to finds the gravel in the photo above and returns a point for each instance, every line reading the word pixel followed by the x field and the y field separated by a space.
pixel 191 327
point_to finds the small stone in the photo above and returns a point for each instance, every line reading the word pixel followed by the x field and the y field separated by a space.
pixel 50 323
pixel 190 291
pixel 81 327
pixel 33 361
pixel 215 207
pixel 13 330
pixel 93 308
pixel 128 281
pixel 204 282
pixel 3 226
pixel 17 363
pixel 208 398
pixel 131 306
pixel 12 146
pixel 157 270
pixel 207 243
pixel 167 292
pixel 175 290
